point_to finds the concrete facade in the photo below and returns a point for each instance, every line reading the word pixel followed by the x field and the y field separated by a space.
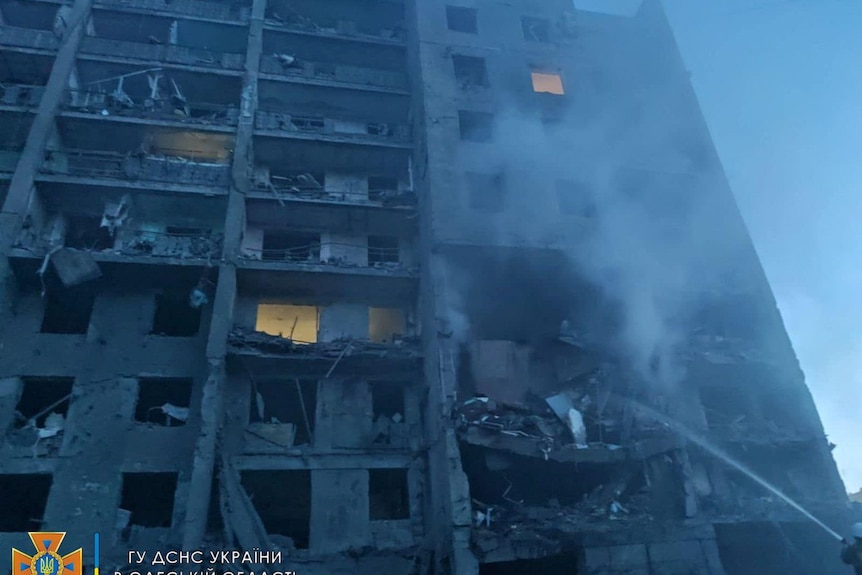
pixel 293 275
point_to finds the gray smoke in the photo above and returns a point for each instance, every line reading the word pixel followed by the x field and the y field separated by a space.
pixel 655 245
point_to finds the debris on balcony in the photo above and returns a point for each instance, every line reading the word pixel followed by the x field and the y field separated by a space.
pixel 243 340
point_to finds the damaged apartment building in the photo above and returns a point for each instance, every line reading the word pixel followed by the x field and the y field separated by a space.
pixel 296 275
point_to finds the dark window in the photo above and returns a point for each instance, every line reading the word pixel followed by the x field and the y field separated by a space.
pixel 294 247
pixel 382 249
pixel 286 401
pixel 149 497
pixel 470 71
pixel 174 316
pixel 536 29
pixel 68 310
pixel 163 400
pixel 460 19
pixel 282 499
pixel 387 399
pixel 87 233
pixel 486 192
pixel 22 501
pixel 43 396
pixel 380 187
pixel 388 494
pixel 574 198
pixel 476 126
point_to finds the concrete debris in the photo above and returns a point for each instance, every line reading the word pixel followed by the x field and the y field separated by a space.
pixel 242 340
pixel 575 423
pixel 74 266
pixel 115 215
pixel 285 60
pixel 172 411
pixel 54 424
pixel 198 298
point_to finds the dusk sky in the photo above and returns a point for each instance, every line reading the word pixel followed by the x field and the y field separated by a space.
pixel 780 84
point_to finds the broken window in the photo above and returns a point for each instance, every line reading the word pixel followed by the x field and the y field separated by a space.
pixel 174 316
pixel 385 323
pixel 87 233
pixel 23 498
pixel 149 498
pixel 294 247
pixel 536 29
pixel 42 398
pixel 574 198
pixel 282 499
pixel 68 310
pixel 388 494
pixel 379 187
pixel 486 192
pixel 470 71
pixel 382 249
pixel 461 19
pixel 499 478
pixel 548 83
pixel 163 400
pixel 299 323
pixel 727 413
pixel 288 401
pixel 476 126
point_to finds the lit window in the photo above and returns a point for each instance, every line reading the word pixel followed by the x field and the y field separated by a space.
pixel 548 83
pixel 385 323
pixel 298 323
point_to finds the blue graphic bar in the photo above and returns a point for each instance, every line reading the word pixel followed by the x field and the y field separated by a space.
pixel 96 553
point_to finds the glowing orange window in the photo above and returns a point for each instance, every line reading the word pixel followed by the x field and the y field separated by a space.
pixel 548 83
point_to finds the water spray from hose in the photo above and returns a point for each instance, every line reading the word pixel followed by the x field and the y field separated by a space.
pixel 720 454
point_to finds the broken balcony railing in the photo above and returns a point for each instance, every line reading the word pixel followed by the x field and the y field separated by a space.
pixel 286 17
pixel 135 167
pixel 282 64
pixel 135 242
pixel 184 245
pixel 352 255
pixel 230 12
pixel 286 122
pixel 118 103
pixel 26 95
pixel 247 341
pixel 171 53
pixel 304 187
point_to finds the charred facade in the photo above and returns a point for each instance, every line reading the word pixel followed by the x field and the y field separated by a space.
pixel 333 277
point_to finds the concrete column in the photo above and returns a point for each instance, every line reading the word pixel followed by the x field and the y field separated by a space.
pixel 212 403
pixel 21 186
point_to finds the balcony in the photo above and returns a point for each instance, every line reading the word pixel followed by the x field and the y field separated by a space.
pixel 167 53
pixel 142 171
pixel 378 22
pixel 232 12
pixel 182 247
pixel 301 126
pixel 284 66
pixel 20 96
pixel 28 39
pixel 304 187
pixel 267 355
